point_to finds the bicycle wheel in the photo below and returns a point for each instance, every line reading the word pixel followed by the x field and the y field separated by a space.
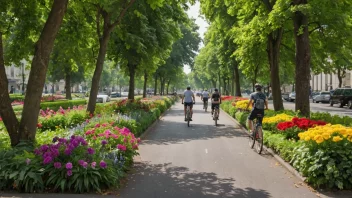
pixel 206 106
pixel 259 138
pixel 251 139
pixel 188 117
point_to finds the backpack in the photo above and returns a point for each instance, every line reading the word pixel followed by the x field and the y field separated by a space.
pixel 259 101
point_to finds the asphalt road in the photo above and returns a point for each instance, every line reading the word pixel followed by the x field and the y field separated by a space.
pixel 177 161
pixel 319 107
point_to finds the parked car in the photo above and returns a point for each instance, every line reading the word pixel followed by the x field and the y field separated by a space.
pixel 115 95
pixel 342 96
pixel 285 96
pixel 292 96
pixel 103 98
pixel 323 96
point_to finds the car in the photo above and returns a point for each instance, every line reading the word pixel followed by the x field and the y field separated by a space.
pixel 342 96
pixel 323 96
pixel 115 95
pixel 292 97
pixel 285 96
pixel 103 98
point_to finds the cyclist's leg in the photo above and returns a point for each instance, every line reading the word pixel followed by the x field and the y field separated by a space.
pixel 250 119
pixel 212 108
pixel 185 108
pixel 191 107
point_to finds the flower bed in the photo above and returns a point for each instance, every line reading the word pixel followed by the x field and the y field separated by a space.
pixel 320 151
pixel 89 157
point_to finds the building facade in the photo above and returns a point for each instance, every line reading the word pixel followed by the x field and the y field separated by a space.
pixel 326 82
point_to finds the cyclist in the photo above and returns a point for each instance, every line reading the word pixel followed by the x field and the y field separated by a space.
pixel 205 96
pixel 215 101
pixel 187 100
pixel 258 101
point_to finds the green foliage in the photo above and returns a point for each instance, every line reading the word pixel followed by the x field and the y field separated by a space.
pixel 333 119
pixel 325 165
pixel 242 117
pixel 16 97
pixel 64 104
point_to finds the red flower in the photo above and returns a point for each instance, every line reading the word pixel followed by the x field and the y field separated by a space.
pixel 39 125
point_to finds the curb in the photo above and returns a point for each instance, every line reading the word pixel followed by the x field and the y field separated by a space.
pixel 149 129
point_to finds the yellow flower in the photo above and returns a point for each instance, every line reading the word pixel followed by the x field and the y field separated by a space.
pixel 307 138
pixel 276 119
pixel 326 136
pixel 319 139
pixel 336 138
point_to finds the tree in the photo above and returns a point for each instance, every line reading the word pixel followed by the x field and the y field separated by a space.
pixel 26 129
pixel 109 15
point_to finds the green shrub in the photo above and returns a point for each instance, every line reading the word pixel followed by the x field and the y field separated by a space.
pixel 242 117
pixel 333 119
pixel 16 97
pixel 225 106
pixel 280 144
pixel 327 164
pixel 64 104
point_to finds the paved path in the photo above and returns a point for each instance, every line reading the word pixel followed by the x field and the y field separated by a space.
pixel 206 161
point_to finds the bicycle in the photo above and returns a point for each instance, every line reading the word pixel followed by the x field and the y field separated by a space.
pixel 188 114
pixel 206 105
pixel 257 135
pixel 216 115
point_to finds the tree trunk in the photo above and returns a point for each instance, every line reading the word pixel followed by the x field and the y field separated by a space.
pixel 214 83
pixel 68 85
pixel 103 46
pixel 300 21
pixel 155 84
pixel 39 67
pixel 132 71
pixel 237 81
pixel 145 84
pixel 167 88
pixel 340 77
pixel 6 112
pixel 274 41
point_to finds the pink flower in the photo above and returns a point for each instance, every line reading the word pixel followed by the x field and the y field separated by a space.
pixel 102 164
pixel 57 165
pixel 69 165
pixel 121 147
pixel 135 147
pixel 69 173
pixel 93 164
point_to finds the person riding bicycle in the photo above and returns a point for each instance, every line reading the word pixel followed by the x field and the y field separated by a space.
pixel 205 97
pixel 215 101
pixel 187 100
pixel 259 104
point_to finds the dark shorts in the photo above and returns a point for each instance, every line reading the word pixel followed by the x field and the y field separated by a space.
pixel 256 114
pixel 215 105
pixel 205 99
pixel 188 104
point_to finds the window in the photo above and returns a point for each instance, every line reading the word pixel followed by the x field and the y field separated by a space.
pixel 12 71
pixel 347 92
pixel 338 92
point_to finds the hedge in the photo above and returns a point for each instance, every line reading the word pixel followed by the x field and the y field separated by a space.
pixel 64 104
pixel 16 97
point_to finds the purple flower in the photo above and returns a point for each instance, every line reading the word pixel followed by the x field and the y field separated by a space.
pixel 47 154
pixel 102 164
pixel 68 151
pixel 80 162
pixel 57 165
pixel 44 148
pixel 55 139
pixel 93 164
pixel 62 140
pixel 75 143
pixel 84 143
pixel 104 142
pixel 37 152
pixel 69 165
pixel 90 151
pixel 85 164
pixel 47 160
pixel 28 161
pixel 69 173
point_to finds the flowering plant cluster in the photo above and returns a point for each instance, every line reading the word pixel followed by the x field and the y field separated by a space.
pixel 14 103
pixel 320 134
pixel 242 104
pixel 302 123
pixel 49 112
pixel 64 152
pixel 107 137
pixel 277 118
pixel 52 98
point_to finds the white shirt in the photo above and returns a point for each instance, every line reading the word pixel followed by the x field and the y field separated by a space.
pixel 205 94
pixel 188 96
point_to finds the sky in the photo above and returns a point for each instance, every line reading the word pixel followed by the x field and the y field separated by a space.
pixel 194 12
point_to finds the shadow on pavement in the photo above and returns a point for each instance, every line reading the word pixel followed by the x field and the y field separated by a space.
pixel 153 180
pixel 169 132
